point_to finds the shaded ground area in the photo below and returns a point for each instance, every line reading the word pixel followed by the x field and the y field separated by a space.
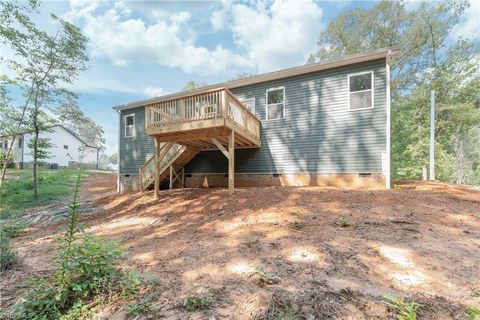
pixel 420 241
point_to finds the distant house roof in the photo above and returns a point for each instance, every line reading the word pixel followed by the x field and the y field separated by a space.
pixel 66 129
pixel 285 73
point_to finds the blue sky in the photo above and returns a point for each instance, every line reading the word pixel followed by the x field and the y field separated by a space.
pixel 141 49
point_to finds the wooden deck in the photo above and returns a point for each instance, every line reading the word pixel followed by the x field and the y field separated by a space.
pixel 182 127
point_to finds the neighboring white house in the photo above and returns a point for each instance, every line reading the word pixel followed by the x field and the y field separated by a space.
pixel 67 150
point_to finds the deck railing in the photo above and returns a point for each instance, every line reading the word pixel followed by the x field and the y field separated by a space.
pixel 218 103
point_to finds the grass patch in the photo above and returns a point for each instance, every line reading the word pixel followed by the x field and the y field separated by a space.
pixel 53 185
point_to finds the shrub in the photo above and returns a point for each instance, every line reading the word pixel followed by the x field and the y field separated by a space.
pixel 7 256
pixel 87 271
pixel 198 300
pixel 403 310
pixel 342 222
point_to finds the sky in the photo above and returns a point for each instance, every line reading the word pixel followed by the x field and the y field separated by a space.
pixel 142 49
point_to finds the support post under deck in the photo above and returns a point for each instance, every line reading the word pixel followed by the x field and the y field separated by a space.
pixel 157 169
pixel 231 162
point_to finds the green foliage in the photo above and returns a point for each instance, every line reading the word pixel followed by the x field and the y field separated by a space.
pixel 266 277
pixel 342 222
pixel 198 300
pixel 54 185
pixel 473 313
pixel 73 118
pixel 87 270
pixel 12 227
pixel 7 256
pixel 193 85
pixel 145 306
pixel 403 310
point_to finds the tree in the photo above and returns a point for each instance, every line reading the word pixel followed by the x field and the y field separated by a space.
pixel 47 63
pixel 72 117
pixel 243 75
pixel 193 85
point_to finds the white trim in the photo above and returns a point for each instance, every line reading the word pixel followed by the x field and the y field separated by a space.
pixel 372 90
pixel 247 100
pixel 125 125
pixel 118 150
pixel 272 104
pixel 281 74
pixel 388 124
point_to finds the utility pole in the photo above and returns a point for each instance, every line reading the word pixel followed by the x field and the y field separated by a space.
pixel 432 135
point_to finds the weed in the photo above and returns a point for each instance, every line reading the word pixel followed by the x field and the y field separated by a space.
pixel 297 225
pixel 12 227
pixel 476 292
pixel 266 277
pixel 473 313
pixel 403 310
pixel 145 306
pixel 198 300
pixel 342 222
pixel 87 271
pixel 7 256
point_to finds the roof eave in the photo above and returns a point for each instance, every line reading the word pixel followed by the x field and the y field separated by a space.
pixel 286 73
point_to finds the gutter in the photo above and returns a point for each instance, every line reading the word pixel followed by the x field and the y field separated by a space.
pixel 281 74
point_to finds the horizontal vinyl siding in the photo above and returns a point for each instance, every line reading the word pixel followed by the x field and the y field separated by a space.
pixel 134 151
pixel 319 133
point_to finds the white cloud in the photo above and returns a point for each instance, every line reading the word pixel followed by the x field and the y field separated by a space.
pixel 152 91
pixel 274 37
pixel 469 26
pixel 167 42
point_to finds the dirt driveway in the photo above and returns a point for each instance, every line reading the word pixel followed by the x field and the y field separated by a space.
pixel 98 185
pixel 420 241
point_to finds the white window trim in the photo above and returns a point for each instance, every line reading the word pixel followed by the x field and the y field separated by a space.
pixel 266 104
pixel 247 100
pixel 372 89
pixel 125 124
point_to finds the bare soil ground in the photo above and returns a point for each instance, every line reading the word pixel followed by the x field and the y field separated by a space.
pixel 420 241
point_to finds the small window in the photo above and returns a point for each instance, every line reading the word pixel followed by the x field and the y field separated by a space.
pixel 360 91
pixel 1 144
pixel 6 144
pixel 65 147
pixel 249 104
pixel 130 125
pixel 20 143
pixel 275 103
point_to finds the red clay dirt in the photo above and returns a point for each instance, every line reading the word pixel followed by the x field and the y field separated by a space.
pixel 420 241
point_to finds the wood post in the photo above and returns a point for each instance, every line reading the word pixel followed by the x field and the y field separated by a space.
pixel 157 169
pixel 183 177
pixel 231 162
pixel 171 177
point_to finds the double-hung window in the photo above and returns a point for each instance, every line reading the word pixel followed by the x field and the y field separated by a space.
pixel 275 103
pixel 130 125
pixel 360 91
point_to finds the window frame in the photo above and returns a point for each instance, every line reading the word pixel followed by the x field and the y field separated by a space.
pixel 243 101
pixel 20 143
pixel 371 89
pixel 133 125
pixel 266 104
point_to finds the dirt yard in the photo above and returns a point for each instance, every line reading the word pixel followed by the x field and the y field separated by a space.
pixel 420 241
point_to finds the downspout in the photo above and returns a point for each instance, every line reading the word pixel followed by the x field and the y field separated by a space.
pixel 388 124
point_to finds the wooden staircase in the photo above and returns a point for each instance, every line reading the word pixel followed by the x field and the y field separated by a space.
pixel 171 158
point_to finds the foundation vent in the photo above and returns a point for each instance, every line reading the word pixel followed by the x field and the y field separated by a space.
pixel 365 175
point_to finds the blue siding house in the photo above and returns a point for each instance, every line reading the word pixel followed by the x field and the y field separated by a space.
pixel 324 124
